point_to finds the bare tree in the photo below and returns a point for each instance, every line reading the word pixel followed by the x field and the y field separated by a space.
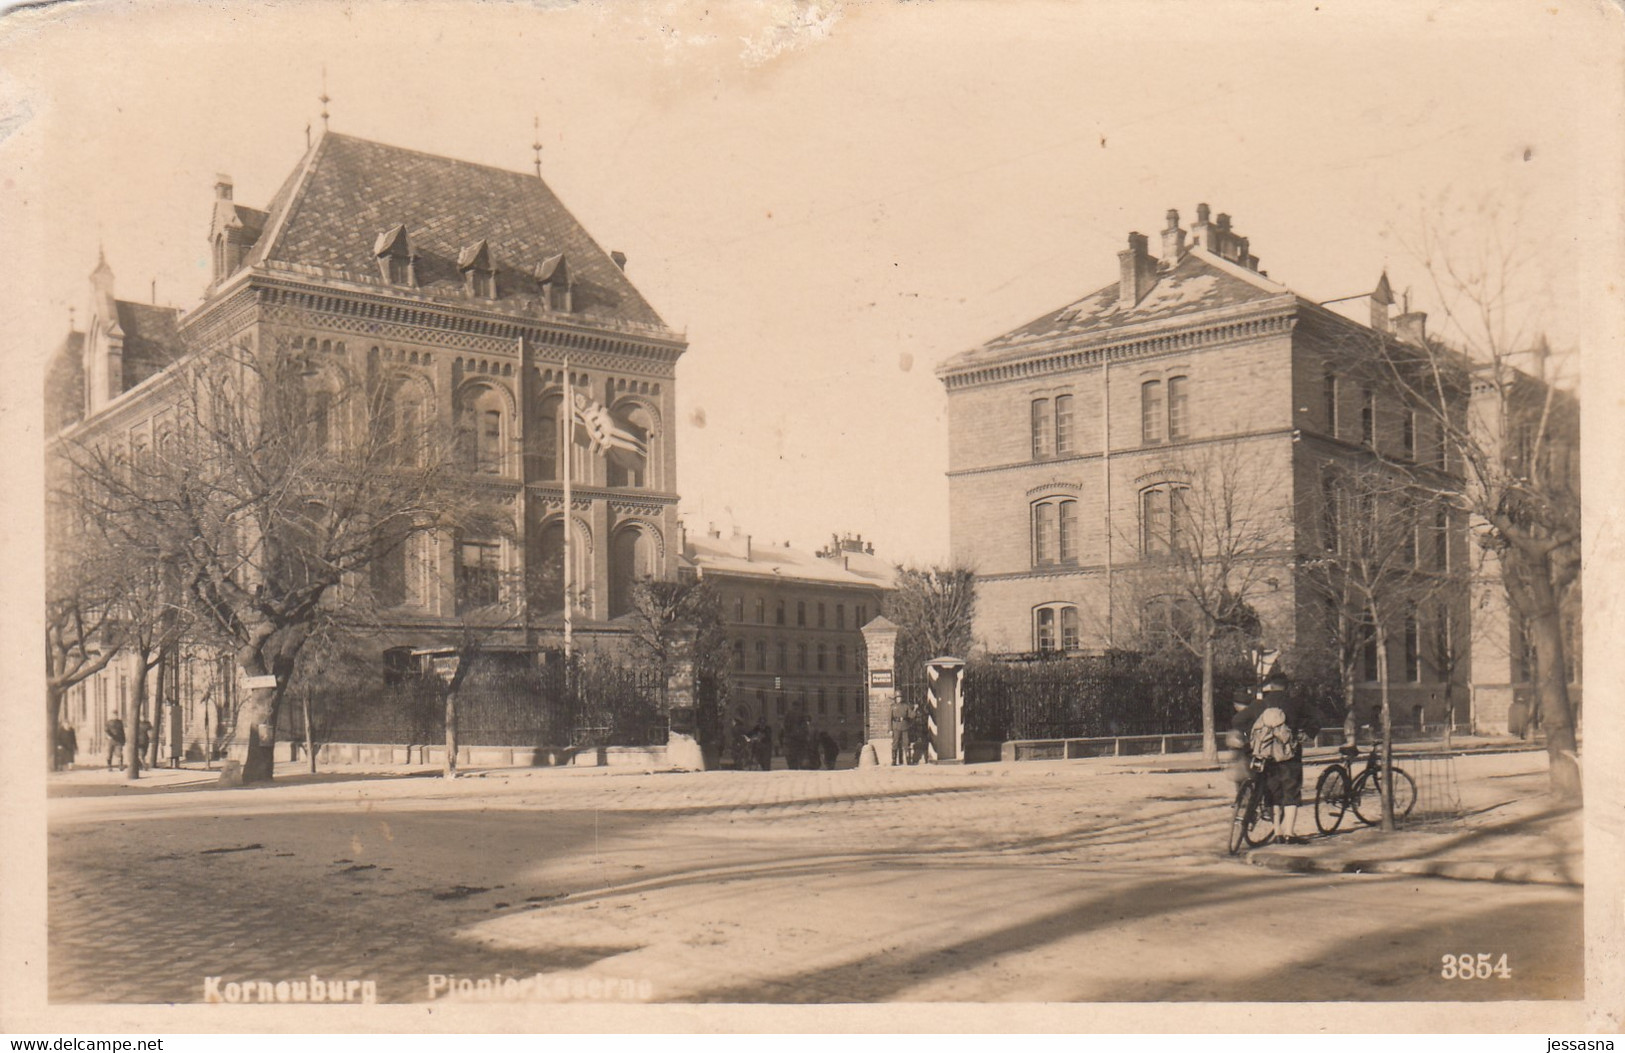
pixel 935 612
pixel 281 475
pixel 1514 438
pixel 82 631
pixel 1212 537
pixel 1373 576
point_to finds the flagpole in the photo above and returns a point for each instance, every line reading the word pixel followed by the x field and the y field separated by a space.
pixel 568 418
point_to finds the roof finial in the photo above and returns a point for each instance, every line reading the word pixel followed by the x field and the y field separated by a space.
pixel 324 97
pixel 537 144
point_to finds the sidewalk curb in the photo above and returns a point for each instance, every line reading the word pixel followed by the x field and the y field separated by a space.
pixel 1457 870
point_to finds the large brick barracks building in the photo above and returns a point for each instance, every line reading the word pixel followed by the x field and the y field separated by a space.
pixel 1069 437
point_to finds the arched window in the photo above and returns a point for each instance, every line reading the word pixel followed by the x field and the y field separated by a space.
pixel 478 574
pixel 484 425
pixel 631 559
pixel 1055 627
pixel 1179 409
pixel 1055 532
pixel 1166 621
pixel 1041 428
pixel 1063 425
pixel 545 567
pixel 1163 519
pixel 1151 411
pixel 629 468
pixel 405 419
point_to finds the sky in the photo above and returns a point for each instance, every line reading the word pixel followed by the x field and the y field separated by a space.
pixel 829 199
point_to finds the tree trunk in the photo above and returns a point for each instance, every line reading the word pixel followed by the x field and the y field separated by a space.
pixel 451 733
pixel 310 736
pixel 1351 719
pixel 135 707
pixel 1529 584
pixel 53 721
pixel 151 760
pixel 1210 745
pixel 1385 778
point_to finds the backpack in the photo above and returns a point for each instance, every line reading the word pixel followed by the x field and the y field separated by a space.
pixel 1270 738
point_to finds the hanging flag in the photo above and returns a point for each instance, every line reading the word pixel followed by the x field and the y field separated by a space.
pixel 603 430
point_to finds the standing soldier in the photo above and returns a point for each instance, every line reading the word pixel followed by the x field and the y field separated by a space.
pixel 900 730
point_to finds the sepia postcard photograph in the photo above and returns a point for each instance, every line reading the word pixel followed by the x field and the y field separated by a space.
pixel 812 516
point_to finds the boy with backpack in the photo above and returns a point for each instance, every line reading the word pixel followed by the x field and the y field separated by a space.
pixel 1269 729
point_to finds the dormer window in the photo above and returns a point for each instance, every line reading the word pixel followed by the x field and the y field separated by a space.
pixel 479 273
pixel 553 275
pixel 397 264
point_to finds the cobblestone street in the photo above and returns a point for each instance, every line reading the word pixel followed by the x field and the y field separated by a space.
pixel 1032 882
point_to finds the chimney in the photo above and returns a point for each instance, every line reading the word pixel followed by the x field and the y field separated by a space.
pixel 222 187
pixel 1173 241
pixel 620 258
pixel 747 548
pixel 1202 232
pixel 1412 327
pixel 1138 269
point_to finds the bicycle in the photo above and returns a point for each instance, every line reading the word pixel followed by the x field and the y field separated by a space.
pixel 1340 791
pixel 1253 821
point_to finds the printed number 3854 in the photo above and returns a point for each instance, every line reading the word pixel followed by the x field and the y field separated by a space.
pixel 1474 967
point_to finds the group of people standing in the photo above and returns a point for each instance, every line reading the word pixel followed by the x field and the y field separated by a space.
pixel 67 743
pixel 802 745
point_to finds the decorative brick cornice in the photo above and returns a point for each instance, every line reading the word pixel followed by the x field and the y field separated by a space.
pixel 1046 360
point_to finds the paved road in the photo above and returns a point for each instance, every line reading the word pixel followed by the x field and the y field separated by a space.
pixel 1034 882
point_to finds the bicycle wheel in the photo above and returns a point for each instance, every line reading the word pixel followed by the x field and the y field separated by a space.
pixel 1367 797
pixel 1260 828
pixel 1331 798
pixel 1245 812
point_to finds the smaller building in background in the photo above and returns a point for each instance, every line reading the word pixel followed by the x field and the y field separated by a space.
pixel 792 620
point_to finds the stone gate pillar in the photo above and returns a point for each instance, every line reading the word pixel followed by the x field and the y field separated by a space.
pixel 682 740
pixel 945 698
pixel 880 690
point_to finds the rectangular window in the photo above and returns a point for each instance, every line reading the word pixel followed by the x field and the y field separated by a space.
pixel 1041 429
pixel 1407 436
pixel 477 584
pixel 784 656
pixel 840 616
pixel 1368 416
pixel 820 614
pixel 1063 424
pixel 1069 629
pixel 761 611
pixel 1178 519
pixel 1151 412
pixel 1179 410
pixel 1329 394
pixel 1046 630
pixel 840 701
pixel 840 658
pixel 863 616
pixel 1411 524
pixel 801 657
pixel 739 609
pixel 739 654
pixel 1068 524
pixel 1413 651
pixel 801 613
pixel 761 656
pixel 823 701
pixel 778 613
pixel 823 657
pixel 1441 540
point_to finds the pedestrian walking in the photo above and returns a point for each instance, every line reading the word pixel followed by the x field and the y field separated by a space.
pixel 115 740
pixel 143 741
pixel 829 748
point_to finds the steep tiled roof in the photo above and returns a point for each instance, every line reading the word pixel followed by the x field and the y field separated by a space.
pixel 65 384
pixel 1200 281
pixel 347 191
pixel 151 339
